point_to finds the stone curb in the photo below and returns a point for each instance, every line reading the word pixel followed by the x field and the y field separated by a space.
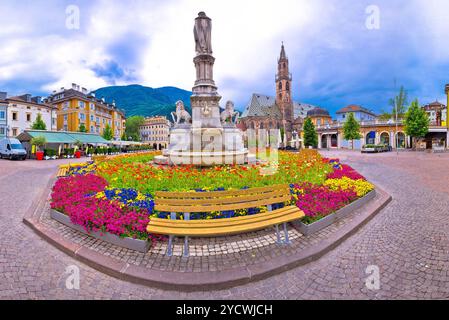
pixel 201 281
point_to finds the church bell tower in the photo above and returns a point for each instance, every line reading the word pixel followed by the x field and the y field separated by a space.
pixel 283 89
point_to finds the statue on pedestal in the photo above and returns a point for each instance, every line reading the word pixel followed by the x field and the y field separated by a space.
pixel 181 113
pixel 202 32
pixel 229 114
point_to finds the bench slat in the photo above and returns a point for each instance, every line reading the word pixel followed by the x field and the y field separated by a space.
pixel 225 230
pixel 218 194
pixel 222 222
pixel 221 200
pixel 224 207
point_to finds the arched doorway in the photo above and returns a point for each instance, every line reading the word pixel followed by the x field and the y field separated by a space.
pixel 155 146
pixel 371 137
pixel 401 140
pixel 324 141
pixel 160 146
pixel 385 138
pixel 334 141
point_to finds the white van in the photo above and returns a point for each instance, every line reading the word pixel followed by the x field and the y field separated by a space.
pixel 11 148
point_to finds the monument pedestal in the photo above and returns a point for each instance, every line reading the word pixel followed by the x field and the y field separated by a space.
pixel 207 141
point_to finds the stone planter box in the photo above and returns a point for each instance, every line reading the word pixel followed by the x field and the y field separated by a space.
pixel 129 243
pixel 308 229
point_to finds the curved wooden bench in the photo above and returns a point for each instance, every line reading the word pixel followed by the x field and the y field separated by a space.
pixel 194 202
pixel 64 168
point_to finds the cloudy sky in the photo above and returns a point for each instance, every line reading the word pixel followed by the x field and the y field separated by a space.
pixel 337 54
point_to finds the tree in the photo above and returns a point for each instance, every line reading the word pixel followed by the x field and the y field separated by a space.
pixel 82 128
pixel 123 137
pixel 132 127
pixel 107 133
pixel 416 122
pixel 310 135
pixel 351 129
pixel 399 102
pixel 39 124
pixel 38 141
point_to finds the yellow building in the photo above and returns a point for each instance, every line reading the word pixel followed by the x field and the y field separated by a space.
pixel 77 107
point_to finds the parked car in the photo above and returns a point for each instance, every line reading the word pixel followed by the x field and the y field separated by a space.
pixel 11 148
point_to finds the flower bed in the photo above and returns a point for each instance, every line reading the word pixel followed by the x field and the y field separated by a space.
pixel 115 195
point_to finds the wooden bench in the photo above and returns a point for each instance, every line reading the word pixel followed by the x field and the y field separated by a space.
pixel 63 169
pixel 196 202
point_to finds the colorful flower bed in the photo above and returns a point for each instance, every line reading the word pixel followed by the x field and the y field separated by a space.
pixel 116 195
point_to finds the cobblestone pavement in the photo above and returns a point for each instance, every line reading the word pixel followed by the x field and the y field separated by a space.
pixel 408 241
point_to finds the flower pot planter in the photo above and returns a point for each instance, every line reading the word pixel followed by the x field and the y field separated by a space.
pixel 47 158
pixel 39 155
pixel 308 229
pixel 78 154
pixel 54 157
pixel 129 243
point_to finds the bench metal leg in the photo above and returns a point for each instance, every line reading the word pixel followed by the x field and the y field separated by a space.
pixel 286 240
pixel 278 235
pixel 170 238
pixel 186 246
pixel 170 246
pixel 186 238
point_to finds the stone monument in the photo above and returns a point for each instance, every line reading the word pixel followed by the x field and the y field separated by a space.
pixel 207 137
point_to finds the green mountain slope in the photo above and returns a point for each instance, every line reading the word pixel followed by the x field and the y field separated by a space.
pixel 145 101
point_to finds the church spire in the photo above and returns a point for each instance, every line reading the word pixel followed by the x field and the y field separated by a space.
pixel 283 56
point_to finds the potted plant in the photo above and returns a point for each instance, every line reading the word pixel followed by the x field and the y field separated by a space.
pixel 78 145
pixel 39 142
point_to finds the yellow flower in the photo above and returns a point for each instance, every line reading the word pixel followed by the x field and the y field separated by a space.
pixel 361 187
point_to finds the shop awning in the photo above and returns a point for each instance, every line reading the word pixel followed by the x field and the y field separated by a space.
pixel 63 137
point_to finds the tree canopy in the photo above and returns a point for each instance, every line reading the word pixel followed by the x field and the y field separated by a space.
pixel 351 129
pixel 310 135
pixel 107 133
pixel 82 128
pixel 132 127
pixel 416 121
pixel 39 124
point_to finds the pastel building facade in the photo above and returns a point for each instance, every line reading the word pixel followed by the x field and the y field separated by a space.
pixel 156 132
pixel 77 107
pixel 3 115
pixel 22 112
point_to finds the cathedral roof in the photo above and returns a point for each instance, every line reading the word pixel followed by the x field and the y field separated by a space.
pixel 320 112
pixel 262 106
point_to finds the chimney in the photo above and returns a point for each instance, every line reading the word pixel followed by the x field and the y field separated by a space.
pixel 62 88
pixel 103 100
pixel 78 87
pixel 84 90
pixel 74 86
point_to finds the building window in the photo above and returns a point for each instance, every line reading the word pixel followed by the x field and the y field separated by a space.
pixel 14 132
pixel 92 106
pixel 91 118
pixel 29 117
pixel 2 130
pixel 81 104
pixel 65 117
pixel 82 116
pixel 318 122
pixel 2 115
